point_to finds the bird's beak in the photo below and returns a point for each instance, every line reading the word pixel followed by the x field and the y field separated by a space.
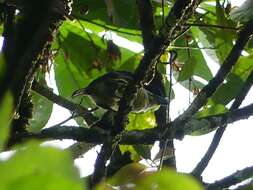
pixel 79 92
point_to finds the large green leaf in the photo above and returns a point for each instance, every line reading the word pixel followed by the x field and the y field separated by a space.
pixel 74 67
pixel 192 59
pixel 6 111
pixel 128 174
pixel 42 109
pixel 170 180
pixel 143 150
pixel 36 167
pixel 131 64
pixel 204 36
pixel 117 12
pixel 81 58
pixel 217 37
pixel 124 20
pixel 234 82
pixel 141 121
pixel 213 109
pixel 90 9
pixel 187 70
pixel 130 34
pixel 135 176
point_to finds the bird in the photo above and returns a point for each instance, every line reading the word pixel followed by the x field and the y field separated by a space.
pixel 107 90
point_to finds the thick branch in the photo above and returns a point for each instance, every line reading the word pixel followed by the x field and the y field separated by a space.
pixel 80 134
pixel 146 22
pixel 43 91
pixel 233 179
pixel 148 136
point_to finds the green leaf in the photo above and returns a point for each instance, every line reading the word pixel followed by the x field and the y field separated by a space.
pixel 90 9
pixel 194 63
pixel 131 64
pixel 141 121
pixel 127 174
pixel 170 180
pixel 36 167
pixel 129 148
pixel 187 70
pixel 143 150
pixel 234 82
pixel 81 59
pixel 114 12
pixel 124 13
pixel 219 38
pixel 42 109
pixel 138 122
pixel 6 111
pixel 212 109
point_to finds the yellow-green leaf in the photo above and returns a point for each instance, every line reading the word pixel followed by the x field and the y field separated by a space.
pixel 40 168
pixel 170 180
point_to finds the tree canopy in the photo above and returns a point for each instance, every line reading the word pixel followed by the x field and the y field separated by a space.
pixel 82 40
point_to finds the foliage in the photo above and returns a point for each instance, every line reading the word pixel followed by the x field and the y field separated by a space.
pixel 29 163
pixel 136 175
pixel 95 38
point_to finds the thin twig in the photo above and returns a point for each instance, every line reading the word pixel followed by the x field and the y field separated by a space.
pixel 111 28
pixel 74 115
pixel 212 26
pixel 89 36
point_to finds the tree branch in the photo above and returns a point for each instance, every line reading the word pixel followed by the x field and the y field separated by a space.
pixel 97 135
pixel 198 170
pixel 118 30
pixel 210 88
pixel 233 179
pixel 146 22
pixel 212 26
